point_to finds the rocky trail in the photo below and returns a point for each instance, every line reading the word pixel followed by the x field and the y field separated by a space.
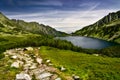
pixel 32 65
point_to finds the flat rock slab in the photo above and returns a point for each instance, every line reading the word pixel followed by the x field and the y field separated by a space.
pixel 15 64
pixel 23 76
pixel 44 75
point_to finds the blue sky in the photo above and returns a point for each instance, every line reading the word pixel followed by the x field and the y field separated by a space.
pixel 63 15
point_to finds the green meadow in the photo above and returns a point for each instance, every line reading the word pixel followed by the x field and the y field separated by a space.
pixel 88 67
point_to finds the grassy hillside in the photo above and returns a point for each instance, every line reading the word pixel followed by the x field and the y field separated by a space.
pixel 88 67
pixel 34 40
pixel 37 28
pixel 13 26
pixel 107 28
pixel 13 41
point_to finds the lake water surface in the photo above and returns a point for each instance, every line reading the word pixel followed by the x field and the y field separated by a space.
pixel 87 42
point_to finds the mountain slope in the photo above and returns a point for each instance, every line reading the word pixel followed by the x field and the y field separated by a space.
pixel 13 26
pixel 107 28
pixel 37 28
pixel 6 25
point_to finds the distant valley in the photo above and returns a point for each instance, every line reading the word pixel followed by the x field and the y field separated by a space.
pixel 30 48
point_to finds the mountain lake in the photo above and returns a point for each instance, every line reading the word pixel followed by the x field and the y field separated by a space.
pixel 88 42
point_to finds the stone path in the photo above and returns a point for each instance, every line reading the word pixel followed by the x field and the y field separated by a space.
pixel 32 65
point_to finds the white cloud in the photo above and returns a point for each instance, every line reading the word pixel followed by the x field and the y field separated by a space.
pixel 65 20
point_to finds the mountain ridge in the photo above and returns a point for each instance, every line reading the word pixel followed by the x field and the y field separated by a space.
pixel 13 26
pixel 107 28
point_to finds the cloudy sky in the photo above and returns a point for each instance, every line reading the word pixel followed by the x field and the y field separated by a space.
pixel 63 15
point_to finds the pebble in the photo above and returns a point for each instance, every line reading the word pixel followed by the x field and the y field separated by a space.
pixel 48 61
pixel 14 57
pixel 50 64
pixel 58 79
pixel 63 69
pixel 75 77
pixel 39 60
pixel 29 48
pixel 15 64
